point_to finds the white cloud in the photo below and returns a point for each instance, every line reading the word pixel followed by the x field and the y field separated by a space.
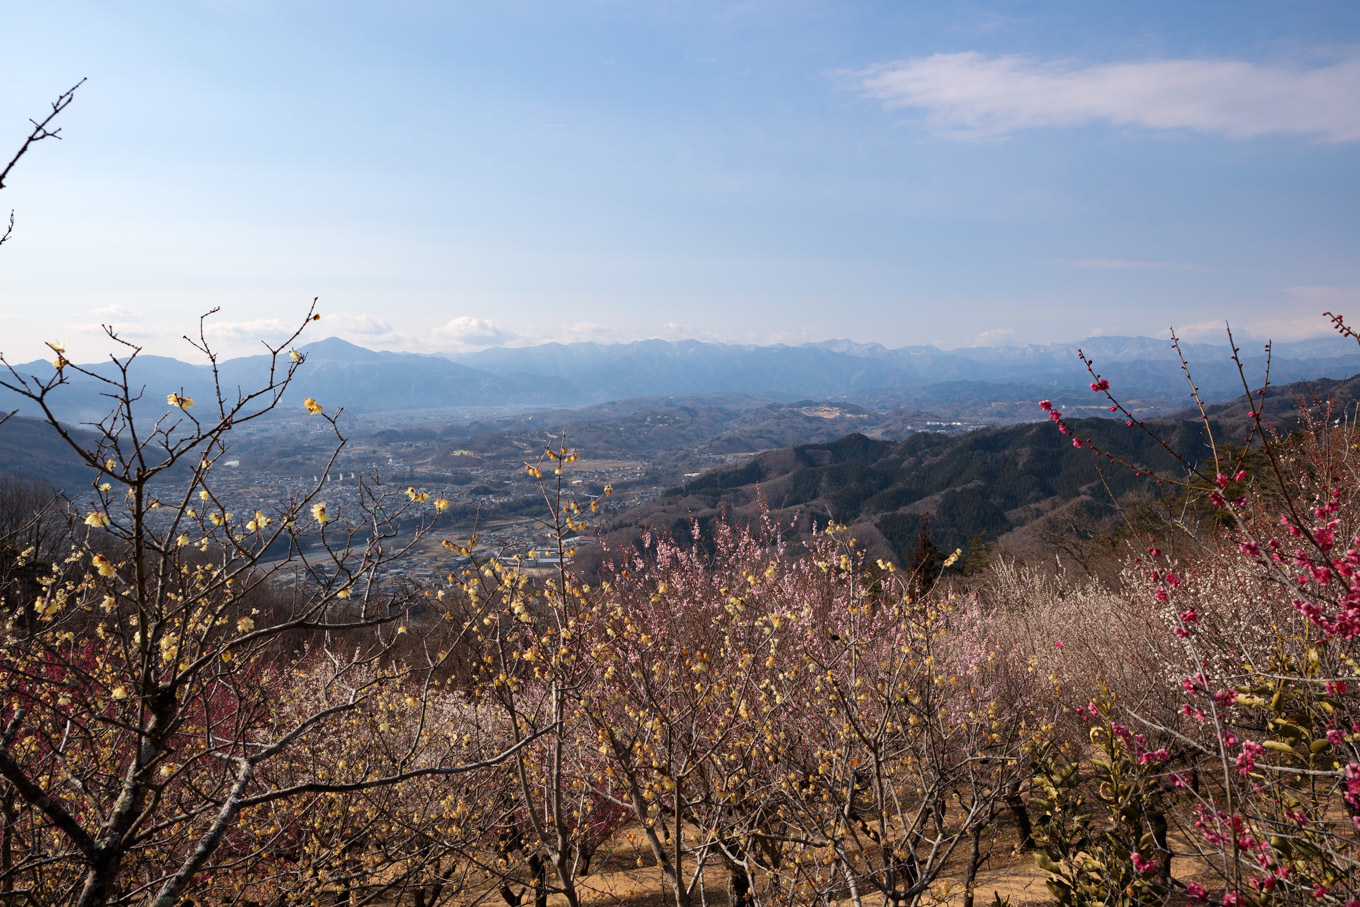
pixel 364 327
pixel 117 314
pixel 678 330
pixel 364 330
pixel 267 329
pixel 1207 331
pixel 126 322
pixel 992 337
pixel 129 331
pixel 1127 264
pixel 595 332
pixel 468 333
pixel 588 331
pixel 972 95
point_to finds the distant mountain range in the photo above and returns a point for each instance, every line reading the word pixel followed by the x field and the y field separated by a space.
pixel 983 384
pixel 335 372
pixel 1142 369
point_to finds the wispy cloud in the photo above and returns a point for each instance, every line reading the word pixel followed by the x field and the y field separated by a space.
pixel 366 327
pixel 1128 264
pixel 125 321
pixel 973 95
pixel 118 314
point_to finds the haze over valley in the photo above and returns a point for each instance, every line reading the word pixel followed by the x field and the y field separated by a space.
pixel 830 431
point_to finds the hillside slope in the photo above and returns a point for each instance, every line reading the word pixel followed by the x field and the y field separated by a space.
pixel 984 484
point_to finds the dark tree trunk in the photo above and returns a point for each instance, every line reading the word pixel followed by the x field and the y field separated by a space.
pixel 1016 804
pixel 9 816
pixel 540 869
pixel 99 880
pixel 1159 838
pixel 739 892
pixel 974 863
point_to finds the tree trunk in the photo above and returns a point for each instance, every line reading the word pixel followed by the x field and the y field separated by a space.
pixel 974 862
pixel 9 816
pixel 739 892
pixel 540 870
pixel 99 880
pixel 1016 804
pixel 1159 837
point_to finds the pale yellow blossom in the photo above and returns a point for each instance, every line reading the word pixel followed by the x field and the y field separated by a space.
pixel 103 565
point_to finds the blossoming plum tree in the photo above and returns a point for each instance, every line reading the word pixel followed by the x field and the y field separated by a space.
pixel 798 720
pixel 1263 614
pixel 142 727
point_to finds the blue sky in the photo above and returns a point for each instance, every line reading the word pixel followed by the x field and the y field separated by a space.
pixel 447 176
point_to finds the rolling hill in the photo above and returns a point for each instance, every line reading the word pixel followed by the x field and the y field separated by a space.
pixel 985 483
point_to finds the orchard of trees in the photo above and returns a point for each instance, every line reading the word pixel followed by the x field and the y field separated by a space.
pixel 755 722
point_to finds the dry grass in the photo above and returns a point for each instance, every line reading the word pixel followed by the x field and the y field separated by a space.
pixel 626 875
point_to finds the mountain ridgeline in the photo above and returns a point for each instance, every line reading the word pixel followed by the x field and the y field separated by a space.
pixel 1011 483
pixel 984 384
pixel 1021 485
pixel 922 376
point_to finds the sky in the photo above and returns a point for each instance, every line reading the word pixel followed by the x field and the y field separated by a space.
pixel 450 176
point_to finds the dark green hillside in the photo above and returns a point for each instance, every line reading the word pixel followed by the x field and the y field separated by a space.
pixel 981 484
pixel 32 449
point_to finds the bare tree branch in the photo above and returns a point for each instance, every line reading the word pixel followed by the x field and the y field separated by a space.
pixel 41 131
